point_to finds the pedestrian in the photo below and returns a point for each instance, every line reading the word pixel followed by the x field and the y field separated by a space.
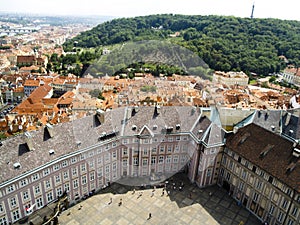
pixel 110 201
pixel 163 192
pixel 133 191
pixel 120 203
pixel 150 216
pixel 190 195
pixel 152 194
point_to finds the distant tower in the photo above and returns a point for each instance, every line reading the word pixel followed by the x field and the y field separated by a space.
pixel 252 11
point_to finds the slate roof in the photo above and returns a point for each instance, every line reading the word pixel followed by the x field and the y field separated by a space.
pixel 252 140
pixel 70 137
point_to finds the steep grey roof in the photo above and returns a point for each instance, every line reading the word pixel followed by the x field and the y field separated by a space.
pixel 31 150
pixel 291 124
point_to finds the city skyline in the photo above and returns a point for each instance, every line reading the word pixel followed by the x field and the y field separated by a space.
pixel 116 8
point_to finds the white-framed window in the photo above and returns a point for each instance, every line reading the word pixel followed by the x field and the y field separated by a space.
pixel 135 161
pixel 75 183
pixel 67 187
pixel 107 169
pixel 208 172
pixel 74 159
pixel 37 189
pixel 74 171
pixel 56 167
pixel 114 144
pixel 1 208
pixel 153 160
pixel 154 150
pixel 114 154
pixel 259 185
pixel 64 163
pixel 170 139
pixel 125 152
pixel 177 138
pixel 145 162
pixel 46 172
pixel 175 159
pixel 58 191
pixel 83 180
pixel 91 164
pixel 13 202
pixel 99 150
pixel 3 221
pixel 169 148
pixel 23 182
pixel 49 196
pixel 16 215
pixel 83 167
pixel 39 202
pixel 160 159
pixel 25 195
pixel 177 148
pixel 255 196
pixel 91 153
pixel 57 179
pixel 100 172
pixel 92 176
pixel 125 162
pixel 107 157
pixel 35 177
pixel 168 159
pixel 47 184
pixel 162 149
pixel 146 141
pixel 114 166
pixel 99 160
pixel 66 175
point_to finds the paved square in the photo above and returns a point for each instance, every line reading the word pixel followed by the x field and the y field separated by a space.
pixel 189 206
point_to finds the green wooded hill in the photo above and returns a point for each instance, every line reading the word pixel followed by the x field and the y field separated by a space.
pixel 224 43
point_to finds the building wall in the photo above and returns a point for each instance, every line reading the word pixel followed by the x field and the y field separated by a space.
pixel 93 168
pixel 263 195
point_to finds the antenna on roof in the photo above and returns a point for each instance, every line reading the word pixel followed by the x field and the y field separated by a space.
pixel 252 12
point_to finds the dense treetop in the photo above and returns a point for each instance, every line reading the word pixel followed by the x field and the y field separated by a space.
pixel 224 43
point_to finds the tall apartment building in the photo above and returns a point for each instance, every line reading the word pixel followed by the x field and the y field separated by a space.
pixel 83 156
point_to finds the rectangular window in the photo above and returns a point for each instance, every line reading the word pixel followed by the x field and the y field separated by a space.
pixel 177 138
pixel 35 177
pixel 25 195
pixel 47 184
pixel 16 215
pixel 135 161
pixel 170 139
pixel 255 197
pixel 46 172
pixel 208 172
pixel 64 163
pixel 228 176
pixel 57 179
pixel 145 152
pixel 91 164
pixel 125 152
pixel 56 167
pixel 160 159
pixel 1 208
pixel 83 180
pixel 153 151
pixel 124 162
pixel 49 196
pixel 3 221
pixel 73 160
pixel 66 175
pixel 74 171
pixel 58 191
pixel 107 169
pixel 169 149
pixel 280 216
pixel 75 183
pixel 295 211
pixel 284 204
pixel 114 155
pixel 162 149
pixel 145 162
pixel 37 189
pixel 23 182
pixel 39 202
pixel 99 161
pixel 92 176
pixel 177 148
pixel 175 159
pixel 83 167
pixel 259 185
pixel 67 187
pixel 114 166
pixel 168 159
pixel 107 157
pixel 13 202
pixel 153 160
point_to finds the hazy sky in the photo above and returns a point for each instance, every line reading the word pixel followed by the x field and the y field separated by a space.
pixel 284 9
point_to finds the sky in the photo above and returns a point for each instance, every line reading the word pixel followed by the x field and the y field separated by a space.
pixel 285 9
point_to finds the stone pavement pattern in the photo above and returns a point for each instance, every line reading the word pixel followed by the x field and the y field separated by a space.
pixel 189 206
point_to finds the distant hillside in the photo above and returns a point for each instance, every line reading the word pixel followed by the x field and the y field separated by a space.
pixel 224 43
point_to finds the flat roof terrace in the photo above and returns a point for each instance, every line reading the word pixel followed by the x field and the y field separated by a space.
pixel 119 204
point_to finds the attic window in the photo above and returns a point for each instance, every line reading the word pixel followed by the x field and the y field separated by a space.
pixel 291 167
pixel 244 138
pixel 296 152
pixel 291 131
pixel 17 165
pixel 265 151
pixel 154 127
pixel 177 126
pixel 51 152
pixel 200 131
pixel 273 127
pixel 133 127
